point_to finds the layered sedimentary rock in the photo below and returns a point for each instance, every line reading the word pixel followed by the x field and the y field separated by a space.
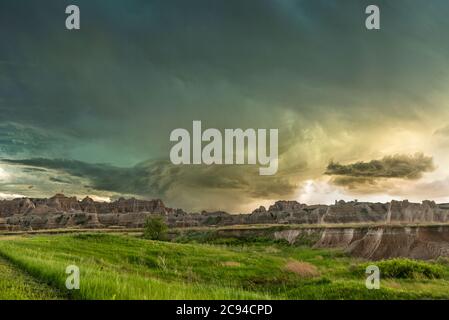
pixel 412 242
pixel 417 242
pixel 354 212
pixel 60 211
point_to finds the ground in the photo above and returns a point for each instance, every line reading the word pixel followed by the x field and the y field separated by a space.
pixel 117 266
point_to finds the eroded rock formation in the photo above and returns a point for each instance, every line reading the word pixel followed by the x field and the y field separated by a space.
pixel 60 211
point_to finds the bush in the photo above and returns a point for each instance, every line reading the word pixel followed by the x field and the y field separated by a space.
pixel 406 269
pixel 155 228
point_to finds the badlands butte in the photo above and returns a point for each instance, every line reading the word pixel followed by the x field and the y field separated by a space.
pixel 368 230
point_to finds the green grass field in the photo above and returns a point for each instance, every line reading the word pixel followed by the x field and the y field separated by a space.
pixel 127 267
pixel 17 285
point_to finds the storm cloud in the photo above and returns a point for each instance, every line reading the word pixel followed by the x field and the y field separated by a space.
pixel 161 179
pixel 396 166
pixel 105 98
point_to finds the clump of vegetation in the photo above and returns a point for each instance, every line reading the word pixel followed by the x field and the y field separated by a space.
pixel 401 268
pixel 155 228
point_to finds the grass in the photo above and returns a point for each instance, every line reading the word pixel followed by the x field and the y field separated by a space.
pixel 127 267
pixel 17 285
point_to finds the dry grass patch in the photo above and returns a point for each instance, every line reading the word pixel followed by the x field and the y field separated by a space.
pixel 392 284
pixel 231 264
pixel 303 269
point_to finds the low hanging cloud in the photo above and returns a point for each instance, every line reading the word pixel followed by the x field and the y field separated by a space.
pixel 395 166
pixel 188 187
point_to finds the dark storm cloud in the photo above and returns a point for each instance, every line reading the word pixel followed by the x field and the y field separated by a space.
pixel 17 141
pixel 352 182
pixel 138 69
pixel 162 179
pixel 102 176
pixel 396 166
pixel 112 92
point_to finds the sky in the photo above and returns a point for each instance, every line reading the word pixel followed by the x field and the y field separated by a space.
pixel 361 114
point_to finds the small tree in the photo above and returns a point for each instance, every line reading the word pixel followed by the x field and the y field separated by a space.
pixel 155 228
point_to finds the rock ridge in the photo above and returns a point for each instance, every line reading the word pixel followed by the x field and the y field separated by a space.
pixel 61 211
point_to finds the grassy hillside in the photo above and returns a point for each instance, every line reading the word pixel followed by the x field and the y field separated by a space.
pixel 17 285
pixel 125 267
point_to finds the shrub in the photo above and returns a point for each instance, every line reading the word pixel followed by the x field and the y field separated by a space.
pixel 155 228
pixel 406 269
